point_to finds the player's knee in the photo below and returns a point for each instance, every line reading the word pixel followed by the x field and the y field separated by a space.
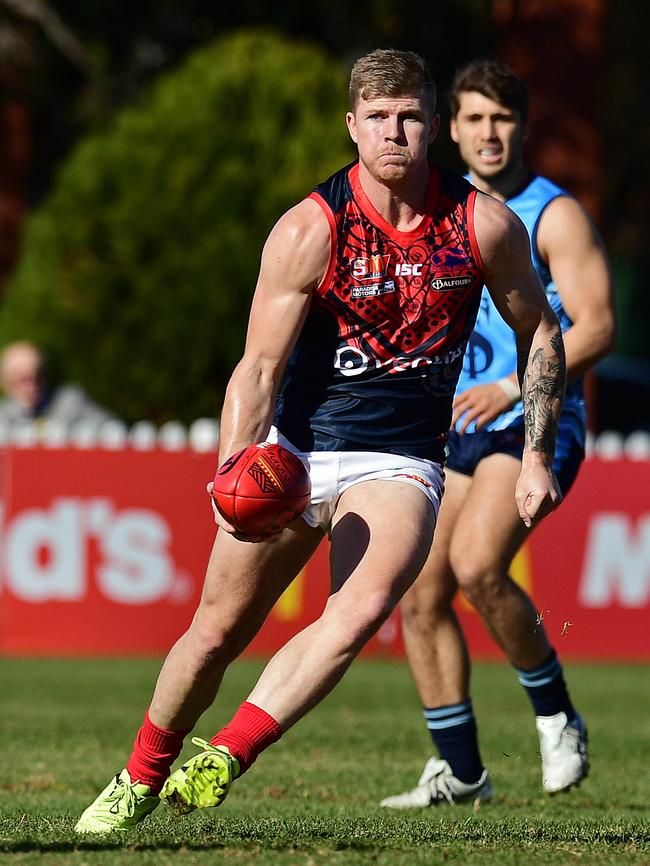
pixel 358 619
pixel 421 611
pixel 476 578
pixel 372 611
pixel 214 639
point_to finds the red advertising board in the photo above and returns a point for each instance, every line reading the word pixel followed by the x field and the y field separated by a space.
pixel 587 567
pixel 103 552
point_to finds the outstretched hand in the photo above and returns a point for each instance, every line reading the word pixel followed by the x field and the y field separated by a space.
pixel 537 492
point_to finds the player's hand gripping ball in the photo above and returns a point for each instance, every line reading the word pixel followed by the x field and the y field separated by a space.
pixel 261 489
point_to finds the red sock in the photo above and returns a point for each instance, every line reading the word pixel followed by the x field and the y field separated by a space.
pixel 250 732
pixel 154 752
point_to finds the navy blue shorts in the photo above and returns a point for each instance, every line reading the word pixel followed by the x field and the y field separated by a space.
pixel 467 451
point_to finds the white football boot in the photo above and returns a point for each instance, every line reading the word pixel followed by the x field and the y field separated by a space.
pixel 439 785
pixel 563 748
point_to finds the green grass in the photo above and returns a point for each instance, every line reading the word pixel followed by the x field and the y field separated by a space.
pixel 66 726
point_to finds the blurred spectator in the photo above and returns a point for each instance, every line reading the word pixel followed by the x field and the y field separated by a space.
pixel 29 397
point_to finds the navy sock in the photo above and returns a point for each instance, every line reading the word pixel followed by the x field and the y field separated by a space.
pixel 453 731
pixel 546 688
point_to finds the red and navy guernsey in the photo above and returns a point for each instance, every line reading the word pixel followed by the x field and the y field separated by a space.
pixel 376 363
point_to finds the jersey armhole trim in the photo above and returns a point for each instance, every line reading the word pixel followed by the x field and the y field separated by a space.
pixel 537 259
pixel 476 252
pixel 327 210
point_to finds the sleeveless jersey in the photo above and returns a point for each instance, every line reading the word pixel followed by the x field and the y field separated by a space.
pixel 377 361
pixel 492 351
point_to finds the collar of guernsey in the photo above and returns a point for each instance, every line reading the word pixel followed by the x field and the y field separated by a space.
pixel 491 351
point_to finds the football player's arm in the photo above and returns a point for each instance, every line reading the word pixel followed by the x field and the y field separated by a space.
pixel 294 260
pixel 519 297
pixel 569 243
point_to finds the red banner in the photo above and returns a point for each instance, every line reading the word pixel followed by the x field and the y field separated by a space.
pixel 103 553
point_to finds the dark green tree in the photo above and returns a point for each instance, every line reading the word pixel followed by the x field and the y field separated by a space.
pixel 138 269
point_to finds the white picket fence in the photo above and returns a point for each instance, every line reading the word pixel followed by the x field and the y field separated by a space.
pixel 203 435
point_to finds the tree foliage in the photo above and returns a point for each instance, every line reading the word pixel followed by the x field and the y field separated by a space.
pixel 138 269
pixel 626 176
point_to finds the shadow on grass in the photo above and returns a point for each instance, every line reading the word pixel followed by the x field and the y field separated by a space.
pixel 350 835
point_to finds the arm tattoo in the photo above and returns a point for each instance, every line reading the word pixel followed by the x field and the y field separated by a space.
pixel 542 373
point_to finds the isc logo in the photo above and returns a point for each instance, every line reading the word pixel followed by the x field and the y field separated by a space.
pixel 406 269
pixel 370 268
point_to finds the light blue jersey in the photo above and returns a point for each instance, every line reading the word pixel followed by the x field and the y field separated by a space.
pixel 491 351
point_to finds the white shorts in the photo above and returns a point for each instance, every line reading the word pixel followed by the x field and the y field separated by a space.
pixel 334 472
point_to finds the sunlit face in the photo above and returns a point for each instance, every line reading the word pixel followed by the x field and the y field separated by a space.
pixel 392 135
pixel 22 376
pixel 489 135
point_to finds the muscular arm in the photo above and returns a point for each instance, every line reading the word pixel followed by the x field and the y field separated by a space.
pixel 570 246
pixel 569 243
pixel 519 297
pixel 294 260
pixel 541 368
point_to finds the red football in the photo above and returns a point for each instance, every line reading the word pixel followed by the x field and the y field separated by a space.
pixel 261 489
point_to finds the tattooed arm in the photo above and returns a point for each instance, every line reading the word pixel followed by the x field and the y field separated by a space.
pixel 542 375
pixel 518 295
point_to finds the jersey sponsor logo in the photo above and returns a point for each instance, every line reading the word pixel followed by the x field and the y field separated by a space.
pixel 373 269
pixel 370 267
pixel 350 361
pixel 408 269
pixel 446 284
pixel 373 291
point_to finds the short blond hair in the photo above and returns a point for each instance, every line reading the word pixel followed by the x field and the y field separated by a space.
pixel 389 72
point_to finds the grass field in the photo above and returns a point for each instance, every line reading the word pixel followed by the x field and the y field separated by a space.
pixel 66 726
